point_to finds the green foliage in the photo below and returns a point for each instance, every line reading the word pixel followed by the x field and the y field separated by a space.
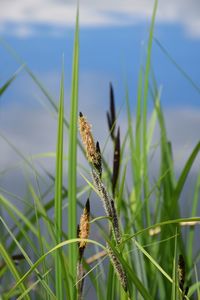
pixel 150 226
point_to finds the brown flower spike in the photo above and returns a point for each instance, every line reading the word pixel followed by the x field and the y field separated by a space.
pixel 82 233
pixel 94 157
pixel 84 226
pixel 88 141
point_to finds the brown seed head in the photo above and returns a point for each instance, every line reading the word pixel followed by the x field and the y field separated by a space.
pixel 84 225
pixel 88 140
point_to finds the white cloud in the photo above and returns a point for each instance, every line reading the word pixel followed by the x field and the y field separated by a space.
pixel 100 13
pixel 23 31
pixel 33 130
pixel 49 12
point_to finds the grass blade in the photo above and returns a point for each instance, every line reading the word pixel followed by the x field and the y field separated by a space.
pixel 26 257
pixel 174 275
pixel 145 105
pixel 178 67
pixel 192 229
pixel 72 158
pixel 185 172
pixel 58 191
pixel 9 81
pixel 11 266
pixel 40 260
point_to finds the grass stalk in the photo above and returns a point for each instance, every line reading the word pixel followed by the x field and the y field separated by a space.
pixel 58 192
pixel 72 160
pixel 145 106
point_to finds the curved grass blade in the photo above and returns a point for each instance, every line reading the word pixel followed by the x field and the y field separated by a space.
pixel 39 261
pixel 43 89
pixel 160 224
pixel 25 255
pixel 33 286
pixel 13 209
pixel 11 266
pixel 153 261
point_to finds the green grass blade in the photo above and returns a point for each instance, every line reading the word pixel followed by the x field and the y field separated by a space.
pixel 178 67
pixel 39 275
pixel 10 80
pixel 161 224
pixel 40 225
pixel 72 158
pixel 38 83
pixel 152 124
pixel 33 286
pixel 191 230
pixel 41 213
pixel 195 288
pixel 145 107
pixel 197 281
pixel 17 58
pixel 174 275
pixel 185 172
pixel 110 291
pixel 58 192
pixel 130 134
pixel 12 268
pixel 11 209
pixel 152 260
pixel 51 251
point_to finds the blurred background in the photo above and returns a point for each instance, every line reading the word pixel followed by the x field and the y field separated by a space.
pixel 113 43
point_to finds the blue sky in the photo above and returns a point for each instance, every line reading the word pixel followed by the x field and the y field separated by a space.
pixel 117 52
pixel 113 40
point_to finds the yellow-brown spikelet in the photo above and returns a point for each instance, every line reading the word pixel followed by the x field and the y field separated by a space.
pixel 84 226
pixel 88 140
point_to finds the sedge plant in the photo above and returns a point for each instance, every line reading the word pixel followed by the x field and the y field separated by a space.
pixel 139 251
